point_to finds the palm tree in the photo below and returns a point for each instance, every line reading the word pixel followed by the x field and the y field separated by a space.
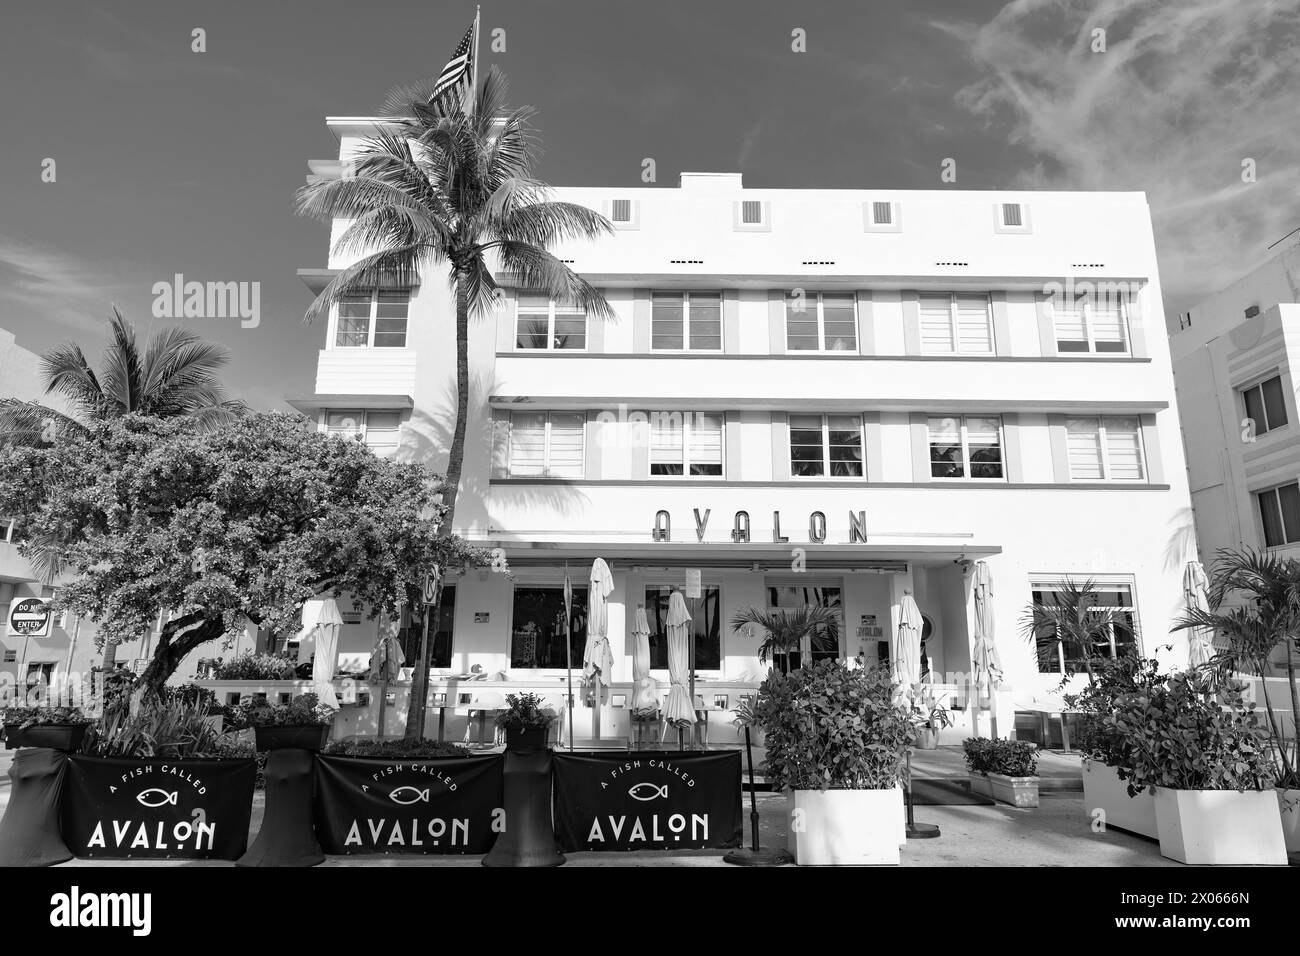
pixel 787 630
pixel 438 188
pixel 1075 625
pixel 1269 620
pixel 173 376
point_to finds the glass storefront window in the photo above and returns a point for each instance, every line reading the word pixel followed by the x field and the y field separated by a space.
pixel 537 629
pixel 707 626
pixel 790 597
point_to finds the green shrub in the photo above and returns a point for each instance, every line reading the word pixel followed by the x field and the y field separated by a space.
pixel 399 749
pixel 525 713
pixel 832 727
pixel 170 728
pixel 254 667
pixel 1094 735
pixel 26 717
pixel 305 710
pixel 1011 758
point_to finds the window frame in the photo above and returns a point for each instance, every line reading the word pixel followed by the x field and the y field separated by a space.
pixel 1105 449
pixel 1086 303
pixel 821 325
pixel 965 447
pixel 579 621
pixel 1276 492
pixel 826 447
pixel 686 322
pixel 687 420
pixel 552 312
pixel 1258 386
pixel 372 324
pixel 953 327
pixel 657 582
pixel 1104 582
pixel 546 446
pixel 363 432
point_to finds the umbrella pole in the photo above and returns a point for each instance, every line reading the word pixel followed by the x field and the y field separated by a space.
pixel 755 856
pixel 383 703
pixel 914 830
pixel 568 659
pixel 691 651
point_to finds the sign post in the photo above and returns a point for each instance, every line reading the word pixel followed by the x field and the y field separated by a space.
pixel 30 617
pixel 692 590
pixel 568 645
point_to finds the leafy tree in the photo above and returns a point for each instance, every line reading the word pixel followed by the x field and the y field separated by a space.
pixel 239 524
pixel 436 190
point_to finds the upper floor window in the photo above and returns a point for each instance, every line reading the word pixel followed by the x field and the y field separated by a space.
pixel 542 324
pixel 966 447
pixel 1279 510
pixel 375 321
pixel 821 322
pixel 547 444
pixel 1265 405
pixel 826 445
pixel 1105 449
pixel 686 445
pixel 956 323
pixel 379 429
pixel 686 321
pixel 1091 323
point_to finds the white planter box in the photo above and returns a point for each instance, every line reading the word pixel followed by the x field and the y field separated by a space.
pixel 1016 791
pixel 1288 802
pixel 1220 827
pixel 1104 790
pixel 846 827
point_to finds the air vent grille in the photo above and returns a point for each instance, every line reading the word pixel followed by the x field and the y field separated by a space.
pixel 818 262
pixel 687 262
pixel 952 263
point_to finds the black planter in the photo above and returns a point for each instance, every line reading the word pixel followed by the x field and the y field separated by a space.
pixel 310 737
pixel 534 739
pixel 54 736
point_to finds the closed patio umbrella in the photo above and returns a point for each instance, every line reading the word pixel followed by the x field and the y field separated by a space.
pixel 988 664
pixel 597 658
pixel 1200 640
pixel 322 622
pixel 907 653
pixel 386 661
pixel 679 710
pixel 645 698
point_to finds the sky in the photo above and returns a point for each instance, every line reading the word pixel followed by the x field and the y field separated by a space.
pixel 167 160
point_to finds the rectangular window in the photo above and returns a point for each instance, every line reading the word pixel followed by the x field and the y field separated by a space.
pixel 966 447
pixel 826 445
pixel 707 625
pixel 1279 510
pixel 621 210
pixel 1092 323
pixel 538 626
pixel 686 321
pixel 376 321
pixel 882 213
pixel 542 324
pixel 821 322
pixel 1011 214
pixel 792 597
pixel 1058 651
pixel 955 324
pixel 685 444
pixel 1265 405
pixel 379 430
pixel 547 444
pixel 751 212
pixel 440 633
pixel 1105 449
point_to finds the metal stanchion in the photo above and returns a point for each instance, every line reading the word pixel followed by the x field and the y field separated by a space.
pixel 916 831
pixel 755 855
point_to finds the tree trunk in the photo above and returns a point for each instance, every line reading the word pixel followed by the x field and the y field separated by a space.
pixel 178 638
pixel 415 711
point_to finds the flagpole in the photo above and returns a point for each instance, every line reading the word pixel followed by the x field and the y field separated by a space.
pixel 473 65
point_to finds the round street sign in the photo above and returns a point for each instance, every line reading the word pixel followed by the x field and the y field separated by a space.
pixel 29 617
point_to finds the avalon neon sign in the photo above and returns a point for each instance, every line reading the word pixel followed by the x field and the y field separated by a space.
pixel 740 531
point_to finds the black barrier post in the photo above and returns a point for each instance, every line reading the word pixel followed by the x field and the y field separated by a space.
pixel 916 831
pixel 287 836
pixel 29 831
pixel 755 855
pixel 529 837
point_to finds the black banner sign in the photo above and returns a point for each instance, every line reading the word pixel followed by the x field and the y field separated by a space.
pixel 418 806
pixel 122 808
pixel 650 800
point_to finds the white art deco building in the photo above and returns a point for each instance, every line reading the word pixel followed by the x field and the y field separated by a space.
pixel 809 396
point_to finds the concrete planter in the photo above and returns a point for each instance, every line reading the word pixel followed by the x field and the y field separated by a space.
pixel 1288 802
pixel 846 827
pixel 1220 827
pixel 1104 790
pixel 1016 791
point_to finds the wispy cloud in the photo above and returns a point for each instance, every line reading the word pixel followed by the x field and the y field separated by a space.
pixel 1182 95
pixel 749 142
pixel 59 288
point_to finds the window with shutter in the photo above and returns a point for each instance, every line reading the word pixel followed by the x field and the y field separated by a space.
pixel 936 324
pixel 1105 449
pixel 1091 323
pixel 974 327
pixel 704 445
pixel 1084 441
pixel 565 445
pixel 1011 214
pixel 751 212
pixel 621 210
pixel 383 431
pixel 1071 329
pixel 527 444
pixel 882 213
pixel 1108 327
pixel 1123 449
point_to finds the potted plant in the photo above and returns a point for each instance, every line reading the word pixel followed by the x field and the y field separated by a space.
pixel 1204 753
pixel 836 743
pixel 526 724
pixel 929 718
pixel 787 630
pixel 301 724
pixel 59 728
pixel 1006 770
pixel 1108 758
pixel 255 667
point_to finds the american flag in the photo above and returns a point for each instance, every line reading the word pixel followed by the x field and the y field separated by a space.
pixel 457 72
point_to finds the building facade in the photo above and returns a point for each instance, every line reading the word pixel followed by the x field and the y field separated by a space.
pixel 1233 358
pixel 807 396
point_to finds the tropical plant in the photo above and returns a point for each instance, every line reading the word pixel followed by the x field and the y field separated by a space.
pixel 1010 758
pixel 400 749
pixel 832 727
pixel 305 710
pixel 1076 624
pixel 1254 632
pixel 929 717
pixel 786 630
pixel 434 189
pixel 1094 736
pixel 241 524
pixel 26 717
pixel 173 729
pixel 525 712
pixel 1181 737
pixel 255 667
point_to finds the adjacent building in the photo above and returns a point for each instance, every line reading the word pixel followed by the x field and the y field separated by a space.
pixel 806 396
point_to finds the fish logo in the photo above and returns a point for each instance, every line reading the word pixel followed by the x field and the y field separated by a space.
pixel 647 791
pixel 405 796
pixel 154 797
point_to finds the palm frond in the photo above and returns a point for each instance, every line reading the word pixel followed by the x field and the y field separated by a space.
pixel 120 368
pixel 399 267
pixel 536 268
pixel 31 423
pixel 67 372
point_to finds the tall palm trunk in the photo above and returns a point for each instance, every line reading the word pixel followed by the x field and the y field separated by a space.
pixel 415 713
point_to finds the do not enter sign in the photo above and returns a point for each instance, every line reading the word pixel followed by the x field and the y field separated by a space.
pixel 29 617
